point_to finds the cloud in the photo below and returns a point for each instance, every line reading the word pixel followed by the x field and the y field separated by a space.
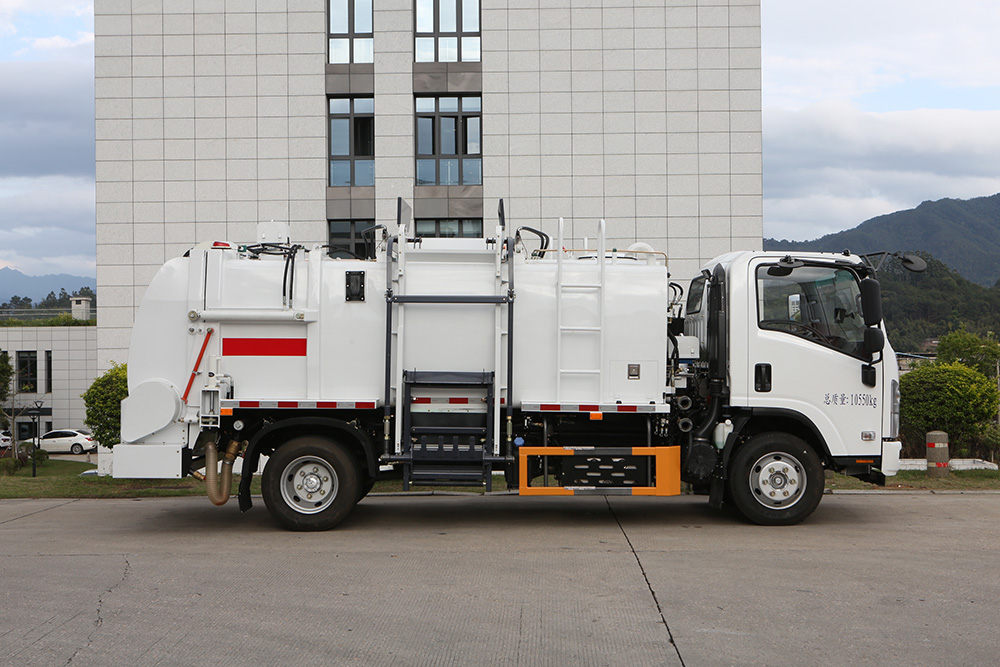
pixel 57 43
pixel 47 224
pixel 824 51
pixel 831 166
pixel 47 119
pixel 10 9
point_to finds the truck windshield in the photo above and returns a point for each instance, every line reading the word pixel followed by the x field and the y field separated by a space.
pixel 819 303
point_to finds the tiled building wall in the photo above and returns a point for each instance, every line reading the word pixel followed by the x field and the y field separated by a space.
pixel 644 112
pixel 211 116
pixel 74 368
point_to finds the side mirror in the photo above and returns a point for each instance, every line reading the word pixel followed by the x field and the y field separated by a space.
pixel 874 341
pixel 871 301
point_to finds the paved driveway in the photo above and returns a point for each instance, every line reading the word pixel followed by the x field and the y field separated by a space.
pixel 501 580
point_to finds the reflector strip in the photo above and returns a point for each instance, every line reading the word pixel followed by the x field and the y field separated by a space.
pixel 453 400
pixel 302 405
pixel 591 407
pixel 263 347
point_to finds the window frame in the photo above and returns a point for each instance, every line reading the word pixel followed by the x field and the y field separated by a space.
pixel 463 223
pixel 462 156
pixel 797 328
pixel 356 247
pixel 27 377
pixel 351 35
pixel 460 34
pixel 352 157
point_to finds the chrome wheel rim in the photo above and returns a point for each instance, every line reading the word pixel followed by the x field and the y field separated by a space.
pixel 309 484
pixel 777 480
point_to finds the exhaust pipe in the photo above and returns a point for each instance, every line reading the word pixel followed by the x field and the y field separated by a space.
pixel 684 424
pixel 684 403
pixel 219 486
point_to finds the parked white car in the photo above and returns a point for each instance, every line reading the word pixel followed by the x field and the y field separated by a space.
pixel 74 441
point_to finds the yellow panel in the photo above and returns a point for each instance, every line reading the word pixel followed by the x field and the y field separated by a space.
pixel 667 461
pixel 668 471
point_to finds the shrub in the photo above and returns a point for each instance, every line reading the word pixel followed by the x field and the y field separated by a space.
pixel 9 466
pixel 104 404
pixel 946 397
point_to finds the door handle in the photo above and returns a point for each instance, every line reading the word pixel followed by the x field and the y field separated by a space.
pixel 762 377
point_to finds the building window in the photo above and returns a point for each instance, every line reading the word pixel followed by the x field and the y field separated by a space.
pixel 351 35
pixel 27 371
pixel 450 228
pixel 48 372
pixel 447 31
pixel 449 141
pixel 352 239
pixel 352 141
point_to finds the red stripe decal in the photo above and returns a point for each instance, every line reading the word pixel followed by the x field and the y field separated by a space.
pixel 288 404
pixel 590 408
pixel 628 408
pixel 365 406
pixel 941 465
pixel 458 401
pixel 549 406
pixel 264 347
pixel 326 404
pixel 423 400
pixel 249 404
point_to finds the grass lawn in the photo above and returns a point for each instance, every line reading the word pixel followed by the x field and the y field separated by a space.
pixel 61 479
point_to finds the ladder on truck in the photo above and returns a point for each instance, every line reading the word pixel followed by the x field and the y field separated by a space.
pixel 566 330
pixel 435 444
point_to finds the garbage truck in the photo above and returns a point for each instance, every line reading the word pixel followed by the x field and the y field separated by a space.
pixel 507 360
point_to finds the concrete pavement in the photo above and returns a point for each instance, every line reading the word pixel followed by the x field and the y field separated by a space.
pixel 501 580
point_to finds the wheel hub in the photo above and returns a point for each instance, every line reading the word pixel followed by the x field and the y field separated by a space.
pixel 309 485
pixel 777 480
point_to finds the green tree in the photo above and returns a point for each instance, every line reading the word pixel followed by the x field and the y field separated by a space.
pixel 103 400
pixel 55 301
pixel 17 303
pixel 965 347
pixel 947 397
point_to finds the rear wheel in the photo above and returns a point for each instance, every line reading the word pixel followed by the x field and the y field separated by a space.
pixel 76 448
pixel 310 483
pixel 776 479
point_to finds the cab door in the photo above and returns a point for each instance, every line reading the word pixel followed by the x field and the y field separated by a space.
pixel 806 350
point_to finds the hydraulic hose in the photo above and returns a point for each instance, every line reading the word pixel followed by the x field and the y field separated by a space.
pixel 219 486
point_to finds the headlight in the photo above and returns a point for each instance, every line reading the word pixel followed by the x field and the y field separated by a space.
pixel 894 416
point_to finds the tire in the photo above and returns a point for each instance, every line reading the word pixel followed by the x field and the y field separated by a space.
pixel 76 449
pixel 310 464
pixel 776 479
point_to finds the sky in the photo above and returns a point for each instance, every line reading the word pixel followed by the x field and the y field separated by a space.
pixel 869 107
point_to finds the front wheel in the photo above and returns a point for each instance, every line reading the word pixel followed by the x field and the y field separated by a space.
pixel 310 483
pixel 776 479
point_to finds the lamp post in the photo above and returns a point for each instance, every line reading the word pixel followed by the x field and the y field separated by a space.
pixel 34 412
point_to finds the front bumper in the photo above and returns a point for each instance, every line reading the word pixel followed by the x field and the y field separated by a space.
pixel 890 457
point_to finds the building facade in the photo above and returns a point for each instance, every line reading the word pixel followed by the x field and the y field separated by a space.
pixel 54 365
pixel 213 115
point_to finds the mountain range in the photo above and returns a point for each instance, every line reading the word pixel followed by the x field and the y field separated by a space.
pixel 15 283
pixel 962 233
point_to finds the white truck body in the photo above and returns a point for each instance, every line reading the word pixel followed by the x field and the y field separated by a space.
pixel 453 358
